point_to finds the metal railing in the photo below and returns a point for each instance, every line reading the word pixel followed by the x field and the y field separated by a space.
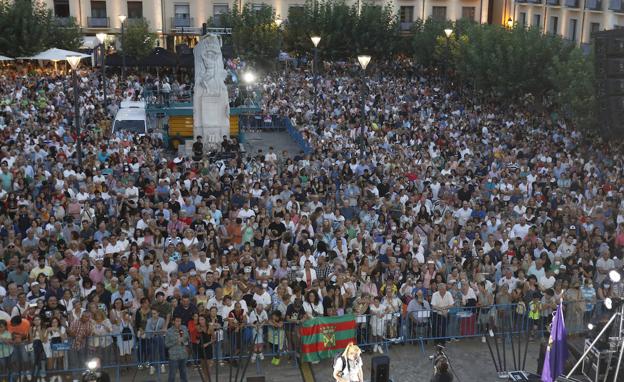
pixel 98 22
pixel 181 22
pixel 594 5
pixel 119 351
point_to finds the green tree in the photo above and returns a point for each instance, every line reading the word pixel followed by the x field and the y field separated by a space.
pixel 345 30
pixel 28 27
pixel 138 41
pixel 65 35
pixel 255 35
pixel 574 89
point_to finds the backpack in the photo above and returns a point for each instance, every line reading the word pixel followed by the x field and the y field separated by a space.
pixel 344 363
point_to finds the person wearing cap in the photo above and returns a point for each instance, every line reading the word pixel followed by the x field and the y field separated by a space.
pixel 35 293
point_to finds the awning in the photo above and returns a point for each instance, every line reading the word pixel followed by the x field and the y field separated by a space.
pixel 55 54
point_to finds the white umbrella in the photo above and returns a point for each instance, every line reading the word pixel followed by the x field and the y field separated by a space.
pixel 5 58
pixel 55 54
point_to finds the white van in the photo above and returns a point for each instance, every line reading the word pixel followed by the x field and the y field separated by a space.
pixel 132 118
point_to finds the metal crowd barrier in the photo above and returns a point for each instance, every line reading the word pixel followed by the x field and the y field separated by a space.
pixel 296 135
pixel 118 353
pixel 123 352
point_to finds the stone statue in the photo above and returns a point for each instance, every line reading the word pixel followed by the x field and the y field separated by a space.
pixel 211 109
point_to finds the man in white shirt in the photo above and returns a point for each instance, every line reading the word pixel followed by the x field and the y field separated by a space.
pixel 202 265
pixel 509 280
pixel 520 229
pixel 547 281
pixel 463 214
pixel 603 265
pixel 261 296
pixel 441 301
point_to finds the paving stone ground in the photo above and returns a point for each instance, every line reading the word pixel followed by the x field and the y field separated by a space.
pixel 469 358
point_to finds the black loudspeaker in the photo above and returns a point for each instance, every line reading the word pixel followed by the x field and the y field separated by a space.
pixel 380 368
pixel 256 379
pixel 615 87
pixel 609 69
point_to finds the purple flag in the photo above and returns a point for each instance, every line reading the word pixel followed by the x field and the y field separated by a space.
pixel 557 350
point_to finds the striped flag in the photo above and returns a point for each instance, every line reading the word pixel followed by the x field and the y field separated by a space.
pixel 323 337
pixel 557 350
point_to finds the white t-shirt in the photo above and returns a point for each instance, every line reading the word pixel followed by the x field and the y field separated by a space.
pixel 547 282
pixel 351 371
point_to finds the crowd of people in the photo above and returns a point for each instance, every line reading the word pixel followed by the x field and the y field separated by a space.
pixel 430 202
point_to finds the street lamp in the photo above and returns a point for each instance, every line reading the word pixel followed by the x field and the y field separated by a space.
pixel 74 61
pixel 364 60
pixel 278 22
pixel 315 40
pixel 122 20
pixel 249 77
pixel 448 32
pixel 509 22
pixel 102 39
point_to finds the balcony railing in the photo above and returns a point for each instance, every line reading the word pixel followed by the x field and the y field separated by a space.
pixel 535 1
pixel 406 25
pixel 616 5
pixel 553 2
pixel 181 22
pixel 594 5
pixel 98 22
pixel 62 21
pixel 134 20
pixel 572 3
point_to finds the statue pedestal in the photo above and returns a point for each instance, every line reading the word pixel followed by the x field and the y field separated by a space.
pixel 211 118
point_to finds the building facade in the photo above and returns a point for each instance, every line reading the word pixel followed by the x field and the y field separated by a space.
pixel 180 21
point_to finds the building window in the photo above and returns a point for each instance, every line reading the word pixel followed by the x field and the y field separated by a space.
pixel 181 11
pixel 594 28
pixel 217 11
pixel 523 19
pixel 407 14
pixel 438 13
pixel 468 13
pixel 98 9
pixel 572 29
pixel 296 10
pixel 61 8
pixel 537 21
pixel 135 9
pixel 554 24
pixel 257 7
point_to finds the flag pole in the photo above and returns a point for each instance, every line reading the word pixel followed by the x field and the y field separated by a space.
pixel 591 346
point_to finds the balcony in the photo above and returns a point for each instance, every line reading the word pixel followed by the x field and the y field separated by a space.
pixel 572 3
pixel 534 1
pixel 181 22
pixel 406 25
pixel 616 5
pixel 62 21
pixel 98 22
pixel 134 20
pixel 594 5
pixel 553 2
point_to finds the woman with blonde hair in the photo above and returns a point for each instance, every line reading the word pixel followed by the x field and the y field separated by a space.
pixel 348 366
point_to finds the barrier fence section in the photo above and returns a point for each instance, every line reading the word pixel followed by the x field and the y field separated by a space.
pixel 248 345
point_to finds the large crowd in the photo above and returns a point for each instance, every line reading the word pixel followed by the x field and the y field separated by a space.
pixel 439 201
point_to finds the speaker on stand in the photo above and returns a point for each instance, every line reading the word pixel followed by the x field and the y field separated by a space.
pixel 380 369
pixel 609 70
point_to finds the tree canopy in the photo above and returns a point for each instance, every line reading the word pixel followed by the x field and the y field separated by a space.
pixel 28 27
pixel 137 40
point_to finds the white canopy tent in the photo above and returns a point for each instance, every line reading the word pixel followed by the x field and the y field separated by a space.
pixel 5 58
pixel 55 54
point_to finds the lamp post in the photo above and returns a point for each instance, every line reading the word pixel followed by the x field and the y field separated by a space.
pixel 102 39
pixel 122 20
pixel 315 40
pixel 364 60
pixel 510 22
pixel 448 32
pixel 249 78
pixel 278 23
pixel 74 61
